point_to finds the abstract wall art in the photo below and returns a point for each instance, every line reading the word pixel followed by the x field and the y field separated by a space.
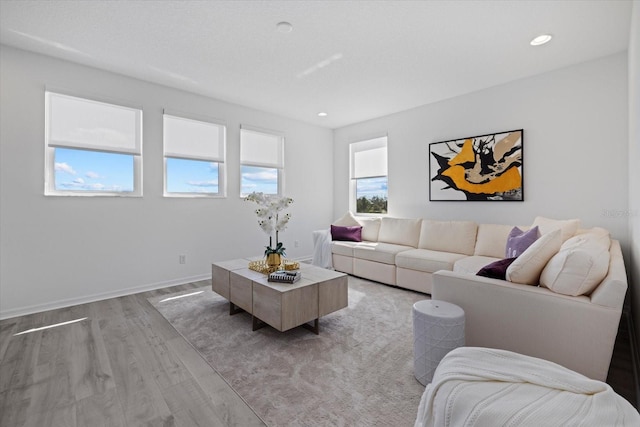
pixel 479 168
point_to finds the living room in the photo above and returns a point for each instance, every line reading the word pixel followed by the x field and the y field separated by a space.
pixel 581 145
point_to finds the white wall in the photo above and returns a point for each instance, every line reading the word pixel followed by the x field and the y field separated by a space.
pixel 575 148
pixel 57 251
pixel 634 161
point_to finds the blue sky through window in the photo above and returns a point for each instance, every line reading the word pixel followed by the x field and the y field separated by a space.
pixel 370 187
pixel 84 170
pixel 191 176
pixel 264 180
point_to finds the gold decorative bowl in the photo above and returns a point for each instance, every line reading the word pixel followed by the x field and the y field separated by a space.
pixel 262 267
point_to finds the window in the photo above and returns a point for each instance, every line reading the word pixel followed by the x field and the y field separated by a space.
pixel 194 154
pixel 261 162
pixel 91 147
pixel 369 176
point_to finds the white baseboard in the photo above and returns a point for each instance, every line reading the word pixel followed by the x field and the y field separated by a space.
pixel 52 305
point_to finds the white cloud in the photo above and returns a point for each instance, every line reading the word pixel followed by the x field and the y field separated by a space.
pixel 271 175
pixel 211 183
pixel 92 175
pixel 64 167
pixel 79 184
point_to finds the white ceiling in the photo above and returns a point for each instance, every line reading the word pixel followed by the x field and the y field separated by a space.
pixel 356 60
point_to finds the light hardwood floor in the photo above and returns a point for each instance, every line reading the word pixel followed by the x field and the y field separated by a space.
pixel 124 365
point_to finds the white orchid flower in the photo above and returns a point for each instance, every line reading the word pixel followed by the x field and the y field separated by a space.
pixel 268 215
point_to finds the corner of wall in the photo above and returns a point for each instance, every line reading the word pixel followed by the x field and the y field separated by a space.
pixel 634 187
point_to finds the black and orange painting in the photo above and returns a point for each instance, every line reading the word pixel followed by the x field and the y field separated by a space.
pixel 479 168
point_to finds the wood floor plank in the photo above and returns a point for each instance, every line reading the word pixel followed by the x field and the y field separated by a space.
pixel 101 410
pixel 138 392
pixel 7 329
pixel 227 404
pixel 90 369
pixel 13 408
pixel 185 394
pixel 58 417
pixel 199 416
pixel 51 388
pixel 165 367
pixel 16 370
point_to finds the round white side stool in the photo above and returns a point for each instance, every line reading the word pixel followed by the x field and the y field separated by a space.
pixel 438 328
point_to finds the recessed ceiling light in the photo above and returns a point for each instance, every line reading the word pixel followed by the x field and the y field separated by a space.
pixel 284 27
pixel 540 40
pixel 322 114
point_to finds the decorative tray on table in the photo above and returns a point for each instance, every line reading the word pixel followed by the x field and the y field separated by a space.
pixel 262 266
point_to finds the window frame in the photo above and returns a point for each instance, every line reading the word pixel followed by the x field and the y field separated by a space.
pixel 220 160
pixel 279 166
pixel 360 145
pixel 50 145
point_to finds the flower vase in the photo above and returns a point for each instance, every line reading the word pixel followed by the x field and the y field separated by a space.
pixel 273 260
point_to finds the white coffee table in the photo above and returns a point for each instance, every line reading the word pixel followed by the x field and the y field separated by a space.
pixel 282 306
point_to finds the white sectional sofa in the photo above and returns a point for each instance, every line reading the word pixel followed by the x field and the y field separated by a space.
pixel 562 301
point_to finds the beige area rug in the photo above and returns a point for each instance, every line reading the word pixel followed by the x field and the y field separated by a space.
pixel 357 372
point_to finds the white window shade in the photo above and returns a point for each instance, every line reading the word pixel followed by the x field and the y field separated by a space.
pixel 261 149
pixel 193 139
pixel 369 158
pixel 93 125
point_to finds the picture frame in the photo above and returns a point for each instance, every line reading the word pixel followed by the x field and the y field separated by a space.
pixel 478 168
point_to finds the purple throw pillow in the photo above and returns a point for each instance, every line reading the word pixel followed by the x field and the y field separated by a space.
pixel 351 234
pixel 497 269
pixel 518 241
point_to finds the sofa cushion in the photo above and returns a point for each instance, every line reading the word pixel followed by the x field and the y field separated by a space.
pixel 448 236
pixel 400 231
pixel 379 252
pixel 580 266
pixel 492 239
pixel 427 260
pixel 343 248
pixel 496 269
pixel 370 228
pixel 568 227
pixel 518 241
pixel 352 234
pixel 472 264
pixel 527 267
pixel 347 220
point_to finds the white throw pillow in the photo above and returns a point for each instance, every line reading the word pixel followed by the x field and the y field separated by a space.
pixel 580 266
pixel 347 220
pixel 527 267
pixel 568 227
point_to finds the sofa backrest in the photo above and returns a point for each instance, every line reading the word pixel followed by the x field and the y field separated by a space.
pixel 448 236
pixel 400 231
pixel 492 239
pixel 370 228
